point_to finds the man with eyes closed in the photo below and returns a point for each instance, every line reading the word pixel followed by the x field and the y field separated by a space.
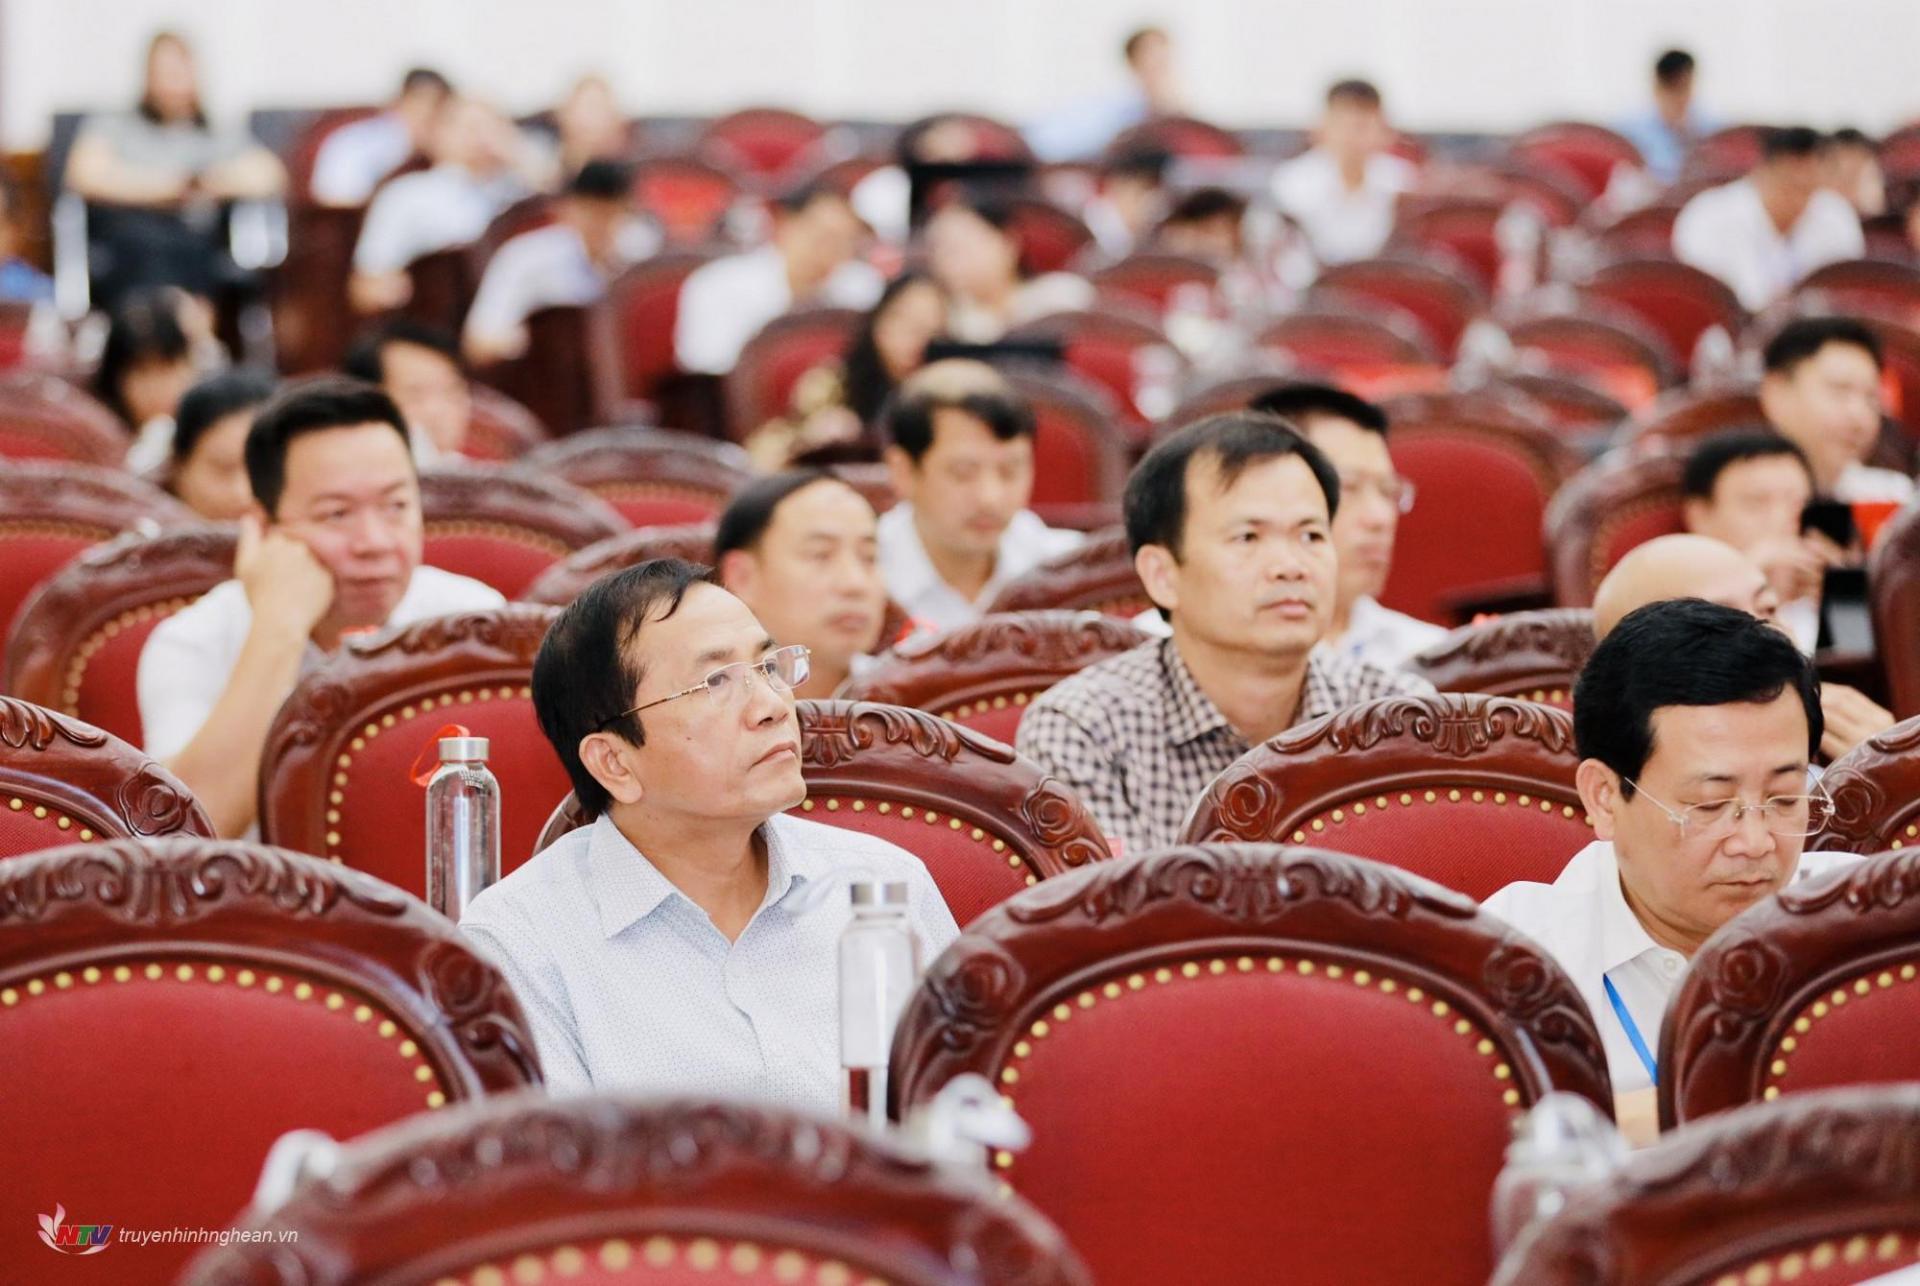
pixel 331 548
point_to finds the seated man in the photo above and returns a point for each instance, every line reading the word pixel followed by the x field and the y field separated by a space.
pixel 1695 724
pixel 1343 191
pixel 1352 433
pixel 687 941
pixel 1763 233
pixel 332 549
pixel 419 367
pixel 1131 199
pixel 1666 130
pixel 799 550
pixel 1230 520
pixel 1822 391
pixel 810 260
pixel 1749 488
pixel 565 264
pixel 355 157
pixel 960 453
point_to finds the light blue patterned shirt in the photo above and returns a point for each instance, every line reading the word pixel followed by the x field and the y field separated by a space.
pixel 627 984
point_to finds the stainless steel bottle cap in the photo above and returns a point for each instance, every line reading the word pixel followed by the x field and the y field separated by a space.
pixel 876 893
pixel 462 749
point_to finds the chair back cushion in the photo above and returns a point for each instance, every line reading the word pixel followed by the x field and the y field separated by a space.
pixel 1535 656
pixel 1473 792
pixel 1105 347
pixel 687 195
pixel 653 477
pixel 1079 450
pixel 760 385
pixel 645 301
pixel 1819 1190
pixel 1150 278
pixel 1618 502
pixel 766 141
pixel 1442 299
pixel 607 1189
pixel 334 777
pixel 1893 574
pixel 43 417
pixel 1612 348
pixel 64 782
pixel 76 643
pixel 1676 299
pixel 504 526
pixel 1587 153
pixel 1247 1012
pixel 148 989
pixel 982 675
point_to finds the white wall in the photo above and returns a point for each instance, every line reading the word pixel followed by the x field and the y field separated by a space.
pixel 1445 64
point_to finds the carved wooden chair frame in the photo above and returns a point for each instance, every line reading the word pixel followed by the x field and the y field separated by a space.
pixel 1096 577
pixel 1584 516
pixel 521 505
pixel 45 408
pixel 84 784
pixel 1532 656
pixel 1876 794
pixel 637 464
pixel 562 583
pixel 1893 572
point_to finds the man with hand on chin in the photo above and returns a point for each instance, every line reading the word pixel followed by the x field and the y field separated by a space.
pixel 332 548
pixel 686 941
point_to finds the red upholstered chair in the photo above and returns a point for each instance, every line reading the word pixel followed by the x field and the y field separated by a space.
pixel 1248 1063
pixel 1816 1191
pixel 1614 350
pixel 46 418
pixel 760 386
pixel 982 675
pixel 645 303
pixel 1574 404
pixel 687 195
pixel 1676 299
pixel 506 526
pixel 1894 575
pixel 1872 285
pixel 761 141
pixel 986 822
pixel 192 1000
pixel 334 777
pixel 653 477
pixel 1585 153
pixel 1726 154
pixel 561 583
pixel 1619 501
pixel 443 283
pixel 1104 346
pixel 1181 136
pixel 500 428
pixel 51 511
pixel 1149 278
pixel 1228 393
pixel 76 643
pixel 1483 479
pixel 1079 447
pixel 62 782
pixel 1646 233
pixel 1816 987
pixel 1442 299
pixel 1461 229
pixel 1097 577
pixel 567 380
pixel 1050 238
pixel 673 1192
pixel 1684 414
pixel 1876 794
pixel 1534 656
pixel 992 140
pixel 1471 791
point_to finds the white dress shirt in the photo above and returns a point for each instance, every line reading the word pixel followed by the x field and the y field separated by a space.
pixel 725 303
pixel 190 656
pixel 1342 224
pixel 354 158
pixel 1727 231
pixel 1865 484
pixel 546 268
pixel 914 583
pixel 1583 921
pixel 1383 637
pixel 436 209
pixel 628 984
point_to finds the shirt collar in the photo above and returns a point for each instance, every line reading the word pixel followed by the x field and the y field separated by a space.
pixel 910 573
pixel 628 888
pixel 1622 937
pixel 1191 713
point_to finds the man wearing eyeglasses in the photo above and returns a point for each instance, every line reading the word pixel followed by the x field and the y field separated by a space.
pixel 687 940
pixel 1695 724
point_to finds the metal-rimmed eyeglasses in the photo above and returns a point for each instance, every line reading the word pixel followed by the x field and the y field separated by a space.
pixel 784 669
pixel 1792 815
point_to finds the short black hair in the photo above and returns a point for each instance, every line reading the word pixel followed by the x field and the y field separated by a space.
pixel 9 196
pixel 584 674
pixel 1804 337
pixel 1299 403
pixel 1137 38
pixel 1673 66
pixel 1146 163
pixel 363 360
pixel 310 406
pixel 748 515
pixel 1848 136
pixel 907 419
pixel 144 327
pixel 1206 203
pixel 1361 93
pixel 418 78
pixel 602 180
pixel 212 400
pixel 1682 652
pixel 796 199
pixel 1717 452
pixel 1789 142
pixel 1155 503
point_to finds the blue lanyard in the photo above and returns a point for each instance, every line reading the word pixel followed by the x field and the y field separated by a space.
pixel 1632 1029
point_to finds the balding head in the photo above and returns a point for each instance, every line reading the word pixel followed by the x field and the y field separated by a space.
pixel 1681 567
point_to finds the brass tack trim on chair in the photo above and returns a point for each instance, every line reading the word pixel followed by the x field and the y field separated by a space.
pixel 1339 816
pixel 1866 984
pixel 41 813
pixel 833 804
pixel 499 531
pixel 1791 1267
pixel 83 655
pixel 644 1258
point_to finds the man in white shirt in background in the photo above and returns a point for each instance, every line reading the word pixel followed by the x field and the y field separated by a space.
pixel 1696 725
pixel 809 260
pixel 595 233
pixel 419 368
pixel 1352 433
pixel 1748 488
pixel 687 941
pixel 1822 391
pixel 1763 233
pixel 481 165
pixel 332 549
pixel 354 158
pixel 1344 190
pixel 960 454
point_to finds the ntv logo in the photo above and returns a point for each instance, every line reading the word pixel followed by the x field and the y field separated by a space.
pixel 73 1239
